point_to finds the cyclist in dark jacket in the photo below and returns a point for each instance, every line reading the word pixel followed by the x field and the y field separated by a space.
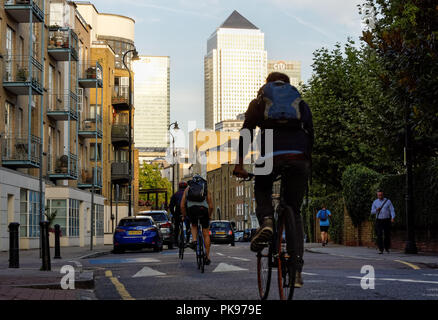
pixel 175 210
pixel 291 146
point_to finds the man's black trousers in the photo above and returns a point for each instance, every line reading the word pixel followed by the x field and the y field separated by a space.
pixel 383 232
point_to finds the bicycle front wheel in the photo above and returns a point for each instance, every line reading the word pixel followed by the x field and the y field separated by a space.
pixel 286 264
pixel 264 271
pixel 181 242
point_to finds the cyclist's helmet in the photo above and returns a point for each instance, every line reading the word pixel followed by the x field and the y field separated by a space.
pixel 182 185
pixel 197 178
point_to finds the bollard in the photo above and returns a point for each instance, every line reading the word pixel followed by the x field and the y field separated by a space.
pixel 44 229
pixel 14 253
pixel 57 243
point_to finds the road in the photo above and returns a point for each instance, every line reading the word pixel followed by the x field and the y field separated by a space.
pixel 232 276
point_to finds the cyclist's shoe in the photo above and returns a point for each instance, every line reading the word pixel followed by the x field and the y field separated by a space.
pixel 262 236
pixel 298 280
pixel 207 262
pixel 193 245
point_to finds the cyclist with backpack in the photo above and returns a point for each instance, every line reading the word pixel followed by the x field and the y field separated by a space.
pixel 324 224
pixel 279 107
pixel 197 205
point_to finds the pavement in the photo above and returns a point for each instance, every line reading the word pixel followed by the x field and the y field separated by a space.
pixel 419 260
pixel 28 282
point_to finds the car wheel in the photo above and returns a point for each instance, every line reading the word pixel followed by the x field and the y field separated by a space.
pixel 118 250
pixel 157 249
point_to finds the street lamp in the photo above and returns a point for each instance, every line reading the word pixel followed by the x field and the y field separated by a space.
pixel 175 127
pixel 134 57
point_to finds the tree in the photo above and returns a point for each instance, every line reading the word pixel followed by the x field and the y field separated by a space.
pixel 150 178
pixel 347 104
pixel 403 35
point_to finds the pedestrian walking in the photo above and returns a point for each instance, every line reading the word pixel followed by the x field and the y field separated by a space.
pixel 385 215
pixel 324 223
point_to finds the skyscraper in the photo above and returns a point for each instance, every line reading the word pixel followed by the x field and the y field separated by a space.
pixel 291 68
pixel 234 69
pixel 152 105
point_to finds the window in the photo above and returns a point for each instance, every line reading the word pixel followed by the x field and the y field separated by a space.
pixel 8 117
pixel 51 91
pixel 9 53
pixel 73 218
pixel 93 152
pixel 80 99
pixel 99 217
pixel 29 213
pixel 58 206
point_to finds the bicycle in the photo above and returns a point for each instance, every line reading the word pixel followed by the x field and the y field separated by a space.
pixel 274 254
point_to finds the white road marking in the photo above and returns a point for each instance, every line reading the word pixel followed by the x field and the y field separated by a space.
pixel 237 258
pixel 224 267
pixel 400 280
pixel 219 254
pixel 430 274
pixel 148 272
pixel 309 274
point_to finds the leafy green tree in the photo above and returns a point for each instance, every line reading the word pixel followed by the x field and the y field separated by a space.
pixel 150 178
pixel 404 36
pixel 348 106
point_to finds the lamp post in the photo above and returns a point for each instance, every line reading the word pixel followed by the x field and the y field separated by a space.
pixel 135 57
pixel 175 127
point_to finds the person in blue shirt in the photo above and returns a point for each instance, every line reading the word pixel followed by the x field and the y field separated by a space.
pixel 324 223
pixel 385 215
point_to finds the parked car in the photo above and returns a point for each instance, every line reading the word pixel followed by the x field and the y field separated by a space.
pixel 137 233
pixel 165 224
pixel 221 231
pixel 238 236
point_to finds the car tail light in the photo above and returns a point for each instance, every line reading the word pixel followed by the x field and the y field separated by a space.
pixel 230 233
pixel 209 232
pixel 166 225
pixel 119 230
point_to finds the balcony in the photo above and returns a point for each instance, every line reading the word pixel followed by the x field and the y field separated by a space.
pixel 21 10
pixel 66 168
pixel 120 171
pixel 90 178
pixel 63 44
pixel 120 134
pixel 22 75
pixel 90 74
pixel 123 195
pixel 62 107
pixel 120 98
pixel 20 152
pixel 91 126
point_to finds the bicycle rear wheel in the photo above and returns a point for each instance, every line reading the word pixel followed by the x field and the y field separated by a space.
pixel 264 271
pixel 286 265
pixel 201 258
pixel 181 241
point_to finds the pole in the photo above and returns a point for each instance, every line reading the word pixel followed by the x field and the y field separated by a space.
pixel 410 219
pixel 57 242
pixel 45 246
pixel 14 259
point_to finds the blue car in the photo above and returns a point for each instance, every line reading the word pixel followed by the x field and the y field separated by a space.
pixel 137 233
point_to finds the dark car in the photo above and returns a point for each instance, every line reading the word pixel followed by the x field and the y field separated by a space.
pixel 137 233
pixel 164 223
pixel 221 231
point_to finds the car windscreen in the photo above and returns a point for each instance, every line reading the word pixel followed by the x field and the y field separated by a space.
pixel 135 223
pixel 157 216
pixel 221 225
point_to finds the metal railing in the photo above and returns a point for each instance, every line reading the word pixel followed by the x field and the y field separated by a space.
pixel 120 95
pixel 63 38
pixel 62 102
pixel 90 176
pixel 21 149
pixel 119 170
pixel 90 70
pixel 66 165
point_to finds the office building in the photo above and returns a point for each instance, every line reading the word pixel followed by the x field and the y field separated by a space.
pixel 289 67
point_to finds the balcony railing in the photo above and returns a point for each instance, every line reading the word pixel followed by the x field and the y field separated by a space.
pixel 21 152
pixel 22 74
pixel 89 177
pixel 123 195
pixel 19 10
pixel 120 98
pixel 90 74
pixel 62 107
pixel 90 125
pixel 120 171
pixel 120 133
pixel 63 43
pixel 66 168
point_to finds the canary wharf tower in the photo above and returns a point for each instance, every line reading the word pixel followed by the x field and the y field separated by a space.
pixel 234 69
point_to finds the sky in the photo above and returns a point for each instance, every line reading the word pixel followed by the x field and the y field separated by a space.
pixel 293 30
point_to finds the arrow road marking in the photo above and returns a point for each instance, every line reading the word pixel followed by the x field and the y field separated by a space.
pixel 148 272
pixel 224 267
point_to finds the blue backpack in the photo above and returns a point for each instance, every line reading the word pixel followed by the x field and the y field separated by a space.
pixel 323 215
pixel 282 104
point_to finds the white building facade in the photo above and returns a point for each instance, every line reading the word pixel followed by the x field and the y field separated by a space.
pixel 235 68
